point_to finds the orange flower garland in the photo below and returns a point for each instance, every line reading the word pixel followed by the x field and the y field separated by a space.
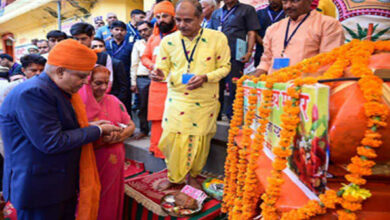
pixel 241 208
pixel 350 197
pixel 232 150
pixel 242 165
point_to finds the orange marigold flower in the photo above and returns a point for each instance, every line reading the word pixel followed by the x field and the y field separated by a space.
pixel 279 164
pixel 356 179
pixel 344 215
pixel 366 152
pixel 363 163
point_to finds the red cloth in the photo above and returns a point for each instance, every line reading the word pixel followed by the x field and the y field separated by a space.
pixel 133 167
pixel 145 187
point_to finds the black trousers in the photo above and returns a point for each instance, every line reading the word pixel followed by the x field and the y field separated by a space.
pixel 143 83
pixel 236 72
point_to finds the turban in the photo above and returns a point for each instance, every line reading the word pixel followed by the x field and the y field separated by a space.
pixel 72 55
pixel 164 7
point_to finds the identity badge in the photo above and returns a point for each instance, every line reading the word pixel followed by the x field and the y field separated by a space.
pixel 280 63
pixel 131 38
pixel 186 77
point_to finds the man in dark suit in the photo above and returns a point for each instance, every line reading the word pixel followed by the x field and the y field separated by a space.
pixel 43 138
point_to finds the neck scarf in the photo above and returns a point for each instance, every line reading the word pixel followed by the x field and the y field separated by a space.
pixel 89 183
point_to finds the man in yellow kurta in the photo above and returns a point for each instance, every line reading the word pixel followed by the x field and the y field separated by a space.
pixel 192 107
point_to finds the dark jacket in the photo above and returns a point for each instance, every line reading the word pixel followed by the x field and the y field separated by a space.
pixel 42 144
pixel 121 84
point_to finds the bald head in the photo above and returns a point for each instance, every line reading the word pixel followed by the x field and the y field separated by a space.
pixel 190 5
pixel 111 17
pixel 188 17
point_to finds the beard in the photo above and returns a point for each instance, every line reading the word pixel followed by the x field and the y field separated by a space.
pixel 165 28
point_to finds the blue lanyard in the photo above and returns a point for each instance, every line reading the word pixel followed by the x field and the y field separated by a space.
pixel 119 49
pixel 132 29
pixel 288 39
pixel 204 23
pixel 228 13
pixel 190 58
pixel 277 16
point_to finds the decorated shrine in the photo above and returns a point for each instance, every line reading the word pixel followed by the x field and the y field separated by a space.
pixel 312 140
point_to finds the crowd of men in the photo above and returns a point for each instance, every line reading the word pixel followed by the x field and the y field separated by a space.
pixel 174 66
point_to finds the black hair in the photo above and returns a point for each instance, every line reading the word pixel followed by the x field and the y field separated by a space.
pixel 120 24
pixel 82 28
pixel 100 40
pixel 42 40
pixel 144 22
pixel 137 12
pixel 158 1
pixel 6 56
pixel 29 59
pixel 56 34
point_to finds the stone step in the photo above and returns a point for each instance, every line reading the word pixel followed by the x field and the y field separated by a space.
pixel 222 131
pixel 139 150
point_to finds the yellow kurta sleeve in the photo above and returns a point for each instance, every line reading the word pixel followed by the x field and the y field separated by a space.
pixel 223 60
pixel 327 7
pixel 163 60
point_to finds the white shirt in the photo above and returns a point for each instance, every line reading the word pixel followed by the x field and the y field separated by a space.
pixel 6 87
pixel 137 69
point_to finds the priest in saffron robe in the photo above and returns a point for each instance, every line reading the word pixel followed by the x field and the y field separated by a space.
pixel 165 25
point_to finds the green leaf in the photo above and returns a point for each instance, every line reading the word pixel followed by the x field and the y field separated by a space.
pixel 360 31
pixel 350 32
pixel 374 28
pixel 379 34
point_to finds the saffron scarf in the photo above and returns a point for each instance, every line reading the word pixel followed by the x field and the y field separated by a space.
pixel 89 183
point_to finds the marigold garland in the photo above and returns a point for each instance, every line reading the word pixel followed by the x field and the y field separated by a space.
pixel 232 150
pixel 355 54
pixel 241 207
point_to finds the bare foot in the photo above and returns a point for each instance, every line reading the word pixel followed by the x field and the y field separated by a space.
pixel 164 185
pixel 139 135
pixel 194 183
